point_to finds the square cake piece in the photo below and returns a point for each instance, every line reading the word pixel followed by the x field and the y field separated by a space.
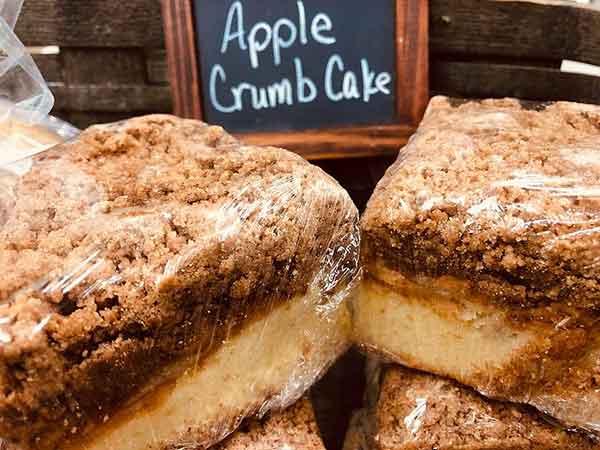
pixel 293 429
pixel 413 410
pixel 161 282
pixel 481 250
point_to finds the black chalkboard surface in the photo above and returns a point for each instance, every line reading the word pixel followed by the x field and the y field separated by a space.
pixel 324 78
pixel 296 64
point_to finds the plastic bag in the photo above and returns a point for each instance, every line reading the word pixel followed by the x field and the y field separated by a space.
pixel 418 411
pixel 24 93
pixel 19 140
pixel 481 251
pixel 25 100
pixel 163 281
pixel 10 10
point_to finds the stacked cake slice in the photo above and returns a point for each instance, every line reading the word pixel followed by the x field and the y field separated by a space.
pixel 482 254
pixel 412 410
pixel 293 429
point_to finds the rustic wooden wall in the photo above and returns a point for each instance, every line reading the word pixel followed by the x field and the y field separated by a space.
pixel 112 65
pixel 112 59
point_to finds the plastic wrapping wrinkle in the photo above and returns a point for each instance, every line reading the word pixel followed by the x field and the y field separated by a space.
pixel 23 91
pixel 25 100
pixel 418 411
pixel 10 10
pixel 414 420
pixel 165 281
pixel 481 251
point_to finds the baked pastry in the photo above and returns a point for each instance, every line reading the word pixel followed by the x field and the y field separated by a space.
pixel 412 410
pixel 295 428
pixel 161 282
pixel 482 250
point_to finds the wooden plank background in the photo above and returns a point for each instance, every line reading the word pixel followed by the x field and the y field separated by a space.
pixel 112 65
pixel 112 62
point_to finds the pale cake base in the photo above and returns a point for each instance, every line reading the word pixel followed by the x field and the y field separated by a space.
pixel 445 332
pixel 437 336
pixel 268 365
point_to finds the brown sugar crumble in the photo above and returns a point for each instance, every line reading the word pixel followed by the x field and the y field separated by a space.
pixel 139 243
pixel 417 411
pixel 499 193
pixel 293 429
pixel 492 211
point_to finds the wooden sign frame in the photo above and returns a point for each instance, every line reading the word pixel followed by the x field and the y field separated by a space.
pixel 412 89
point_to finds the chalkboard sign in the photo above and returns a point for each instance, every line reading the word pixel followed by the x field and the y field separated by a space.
pixel 324 77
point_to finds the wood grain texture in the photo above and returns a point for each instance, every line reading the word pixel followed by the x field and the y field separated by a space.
pixel 83 119
pixel 183 70
pixel 456 78
pixel 103 66
pixel 480 48
pixel 573 3
pixel 91 23
pixel 412 59
pixel 482 79
pixel 156 66
pixel 133 99
pixel 338 142
pixel 515 29
pixel 511 28
pixel 50 66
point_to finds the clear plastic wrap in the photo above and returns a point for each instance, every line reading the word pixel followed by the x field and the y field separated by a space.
pixel 24 94
pixel 293 429
pixel 163 281
pixel 481 248
pixel 21 140
pixel 10 10
pixel 410 410
pixel 25 100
